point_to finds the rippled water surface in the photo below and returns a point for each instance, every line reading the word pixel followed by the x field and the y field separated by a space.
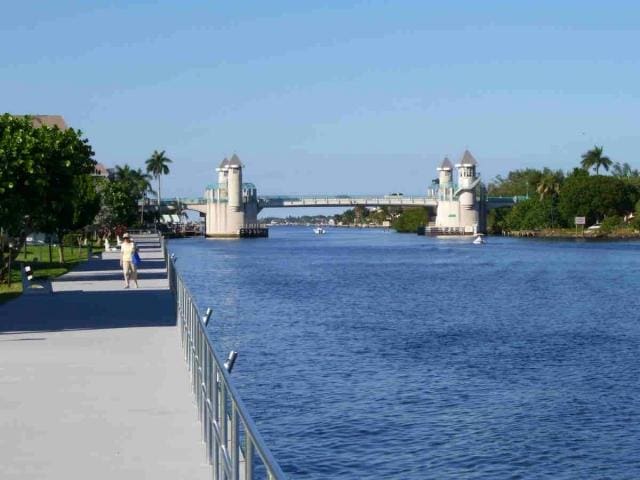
pixel 370 354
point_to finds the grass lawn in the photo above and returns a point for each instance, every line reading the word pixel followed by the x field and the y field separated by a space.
pixel 38 257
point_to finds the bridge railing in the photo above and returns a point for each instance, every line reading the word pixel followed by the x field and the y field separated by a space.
pixel 339 197
pixel 175 200
pixel 273 201
pixel 234 446
pixel 507 199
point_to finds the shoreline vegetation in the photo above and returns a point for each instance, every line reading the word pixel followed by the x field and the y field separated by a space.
pixel 570 234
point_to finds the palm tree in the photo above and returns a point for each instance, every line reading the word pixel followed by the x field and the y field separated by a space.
pixel 594 158
pixel 624 170
pixel 139 183
pixel 549 186
pixel 157 165
pixel 144 182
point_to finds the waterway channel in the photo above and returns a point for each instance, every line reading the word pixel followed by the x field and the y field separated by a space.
pixel 371 354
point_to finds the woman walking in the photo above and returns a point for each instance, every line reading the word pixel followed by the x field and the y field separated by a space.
pixel 128 248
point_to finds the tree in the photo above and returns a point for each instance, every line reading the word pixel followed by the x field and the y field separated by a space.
pixel 145 185
pixel 530 214
pixel 139 183
pixel 549 187
pixel 67 200
pixel 411 219
pixel 59 199
pixel 157 165
pixel 19 172
pixel 496 220
pixel 17 180
pixel 45 179
pixel 122 195
pixel 521 182
pixel 595 197
pixel 594 159
pixel 624 171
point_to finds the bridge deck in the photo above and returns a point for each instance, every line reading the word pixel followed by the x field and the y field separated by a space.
pixel 289 201
pixel 93 382
pixel 266 202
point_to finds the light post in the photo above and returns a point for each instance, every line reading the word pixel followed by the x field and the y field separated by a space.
pixel 9 271
pixel 144 198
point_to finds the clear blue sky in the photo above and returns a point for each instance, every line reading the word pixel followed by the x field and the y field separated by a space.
pixel 334 96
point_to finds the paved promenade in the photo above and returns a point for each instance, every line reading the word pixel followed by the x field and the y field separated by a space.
pixel 93 383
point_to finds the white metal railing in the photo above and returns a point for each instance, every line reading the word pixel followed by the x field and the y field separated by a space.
pixel 345 201
pixel 234 446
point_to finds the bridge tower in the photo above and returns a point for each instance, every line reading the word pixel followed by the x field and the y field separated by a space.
pixel 235 210
pixel 458 211
pixel 234 182
pixel 447 210
pixel 467 182
pixel 220 194
pixel 445 179
pixel 232 206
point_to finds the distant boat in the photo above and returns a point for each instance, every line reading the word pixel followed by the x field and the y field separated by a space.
pixel 319 231
pixel 479 240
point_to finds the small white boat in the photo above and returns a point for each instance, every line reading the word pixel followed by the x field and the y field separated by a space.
pixel 319 231
pixel 479 240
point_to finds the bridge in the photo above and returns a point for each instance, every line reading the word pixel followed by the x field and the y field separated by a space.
pixel 231 206
pixel 199 204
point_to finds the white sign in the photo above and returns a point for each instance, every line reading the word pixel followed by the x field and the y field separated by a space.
pixel 581 220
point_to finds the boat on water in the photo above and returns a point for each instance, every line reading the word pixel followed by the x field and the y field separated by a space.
pixel 479 240
pixel 319 231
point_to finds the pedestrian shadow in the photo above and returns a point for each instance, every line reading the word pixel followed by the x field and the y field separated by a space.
pixel 81 310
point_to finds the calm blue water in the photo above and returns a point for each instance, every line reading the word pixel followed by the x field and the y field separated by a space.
pixel 370 354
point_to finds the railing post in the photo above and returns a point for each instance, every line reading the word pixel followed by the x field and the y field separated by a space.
pixel 215 396
pixel 248 456
pixel 235 444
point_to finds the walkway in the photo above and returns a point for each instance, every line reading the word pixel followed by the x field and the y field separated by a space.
pixel 93 383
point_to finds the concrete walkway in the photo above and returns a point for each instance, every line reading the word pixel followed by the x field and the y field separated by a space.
pixel 93 383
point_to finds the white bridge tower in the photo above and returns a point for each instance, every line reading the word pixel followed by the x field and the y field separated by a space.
pixel 458 209
pixel 232 206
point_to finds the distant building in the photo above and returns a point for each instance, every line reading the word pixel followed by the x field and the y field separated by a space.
pixel 101 171
pixel 46 121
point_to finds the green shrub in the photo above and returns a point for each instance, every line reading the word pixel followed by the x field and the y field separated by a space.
pixel 411 219
pixel 611 223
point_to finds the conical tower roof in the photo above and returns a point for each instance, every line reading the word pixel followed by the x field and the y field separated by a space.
pixel 446 164
pixel 224 163
pixel 235 161
pixel 467 159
